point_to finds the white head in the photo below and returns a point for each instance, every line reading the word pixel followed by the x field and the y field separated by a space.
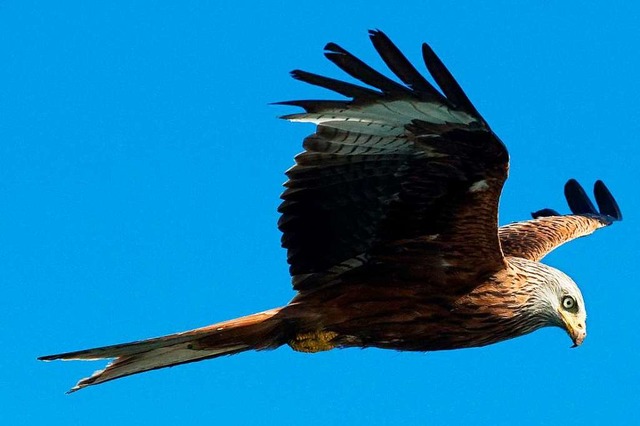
pixel 555 300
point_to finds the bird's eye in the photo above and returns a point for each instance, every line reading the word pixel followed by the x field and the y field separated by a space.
pixel 569 303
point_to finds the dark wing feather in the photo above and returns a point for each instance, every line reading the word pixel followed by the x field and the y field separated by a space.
pixel 534 239
pixel 396 181
pixel 545 213
pixel 346 89
pixel 363 72
pixel 400 65
pixel 606 203
pixel 445 80
pixel 577 198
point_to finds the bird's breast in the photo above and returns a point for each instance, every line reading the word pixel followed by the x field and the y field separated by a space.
pixel 406 318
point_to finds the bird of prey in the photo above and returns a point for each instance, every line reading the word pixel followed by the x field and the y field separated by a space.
pixel 390 222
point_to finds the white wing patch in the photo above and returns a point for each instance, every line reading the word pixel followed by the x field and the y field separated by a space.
pixel 479 186
pixel 383 118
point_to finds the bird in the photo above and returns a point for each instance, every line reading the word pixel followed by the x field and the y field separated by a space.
pixel 390 222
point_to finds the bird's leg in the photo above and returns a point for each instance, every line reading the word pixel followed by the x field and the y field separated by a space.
pixel 315 341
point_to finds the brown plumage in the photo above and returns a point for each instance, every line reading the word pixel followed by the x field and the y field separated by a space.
pixel 390 221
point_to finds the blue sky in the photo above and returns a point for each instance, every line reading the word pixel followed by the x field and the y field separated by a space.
pixel 140 169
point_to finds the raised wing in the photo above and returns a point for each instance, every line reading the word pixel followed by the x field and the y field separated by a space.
pixel 399 178
pixel 533 239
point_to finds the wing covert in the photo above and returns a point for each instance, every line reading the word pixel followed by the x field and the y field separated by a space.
pixel 534 239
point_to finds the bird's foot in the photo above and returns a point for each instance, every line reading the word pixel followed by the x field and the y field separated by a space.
pixel 315 341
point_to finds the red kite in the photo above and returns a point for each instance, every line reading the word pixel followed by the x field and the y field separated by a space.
pixel 390 221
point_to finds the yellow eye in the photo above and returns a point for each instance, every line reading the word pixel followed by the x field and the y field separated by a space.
pixel 569 303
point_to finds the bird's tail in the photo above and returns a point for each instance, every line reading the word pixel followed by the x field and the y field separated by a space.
pixel 264 330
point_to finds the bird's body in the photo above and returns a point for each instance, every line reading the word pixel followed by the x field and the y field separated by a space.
pixel 390 221
pixel 406 316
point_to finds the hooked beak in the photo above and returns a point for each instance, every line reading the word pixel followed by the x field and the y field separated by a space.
pixel 577 330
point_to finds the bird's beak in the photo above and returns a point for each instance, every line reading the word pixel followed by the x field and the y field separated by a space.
pixel 577 330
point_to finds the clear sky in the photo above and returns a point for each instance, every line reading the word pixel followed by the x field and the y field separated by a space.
pixel 140 169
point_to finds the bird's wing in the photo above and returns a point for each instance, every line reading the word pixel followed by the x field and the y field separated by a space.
pixel 400 176
pixel 533 239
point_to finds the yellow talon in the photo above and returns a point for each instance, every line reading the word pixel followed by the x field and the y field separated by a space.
pixel 316 341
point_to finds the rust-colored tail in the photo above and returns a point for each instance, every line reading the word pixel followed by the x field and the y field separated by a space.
pixel 263 330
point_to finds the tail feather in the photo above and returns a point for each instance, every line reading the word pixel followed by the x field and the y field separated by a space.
pixel 258 331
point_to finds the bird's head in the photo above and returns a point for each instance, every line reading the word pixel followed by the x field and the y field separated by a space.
pixel 564 305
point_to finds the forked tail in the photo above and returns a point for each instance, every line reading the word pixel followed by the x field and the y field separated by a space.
pixel 263 330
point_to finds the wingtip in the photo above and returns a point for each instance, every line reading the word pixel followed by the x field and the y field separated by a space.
pixel 48 358
pixel 544 213
pixel 580 203
pixel 427 48
pixel 429 55
pixel 297 73
pixel 577 198
pixel 447 83
pixel 377 33
pixel 332 48
pixel 376 36
pixel 606 202
pixel 571 182
pixel 284 103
